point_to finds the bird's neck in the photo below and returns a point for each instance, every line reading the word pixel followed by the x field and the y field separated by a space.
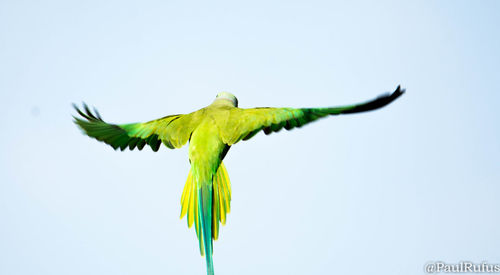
pixel 223 102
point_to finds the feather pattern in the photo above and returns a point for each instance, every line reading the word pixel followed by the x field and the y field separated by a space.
pixel 173 131
pixel 220 203
pixel 243 124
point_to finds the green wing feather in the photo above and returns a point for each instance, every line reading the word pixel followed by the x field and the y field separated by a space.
pixel 173 131
pixel 246 123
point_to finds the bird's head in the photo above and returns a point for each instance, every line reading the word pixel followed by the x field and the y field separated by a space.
pixel 226 99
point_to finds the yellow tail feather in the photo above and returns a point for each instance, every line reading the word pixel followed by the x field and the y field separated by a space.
pixel 220 204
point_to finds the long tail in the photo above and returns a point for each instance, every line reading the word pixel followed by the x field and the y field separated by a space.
pixel 206 203
pixel 205 210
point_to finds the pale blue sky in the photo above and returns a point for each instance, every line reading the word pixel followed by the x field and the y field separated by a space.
pixel 376 193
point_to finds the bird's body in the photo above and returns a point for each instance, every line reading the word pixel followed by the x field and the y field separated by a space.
pixel 210 132
pixel 206 151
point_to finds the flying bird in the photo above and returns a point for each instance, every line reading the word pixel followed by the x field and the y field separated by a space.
pixel 211 131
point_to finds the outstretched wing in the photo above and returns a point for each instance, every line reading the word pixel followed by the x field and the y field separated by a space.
pixel 243 124
pixel 173 131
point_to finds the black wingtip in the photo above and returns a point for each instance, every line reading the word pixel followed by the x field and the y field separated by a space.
pixel 389 97
pixel 377 103
pixel 97 114
pixel 385 100
pixel 86 113
pixel 399 91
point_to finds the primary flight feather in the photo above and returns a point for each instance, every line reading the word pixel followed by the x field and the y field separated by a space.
pixel 210 131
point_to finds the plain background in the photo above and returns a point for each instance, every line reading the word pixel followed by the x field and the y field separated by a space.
pixel 376 193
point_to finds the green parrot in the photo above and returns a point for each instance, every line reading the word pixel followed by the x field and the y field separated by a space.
pixel 211 131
